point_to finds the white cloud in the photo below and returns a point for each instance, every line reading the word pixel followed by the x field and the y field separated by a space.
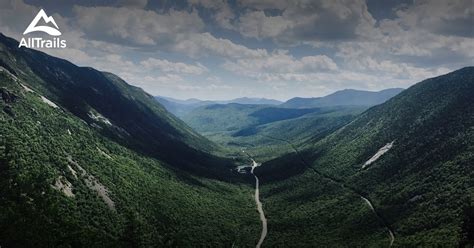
pixel 257 24
pixel 136 26
pixel 265 4
pixel 424 39
pixel 279 62
pixel 15 16
pixel 165 79
pixel 206 44
pixel 454 17
pixel 133 3
pixel 389 68
pixel 301 20
pixel 223 14
pixel 167 66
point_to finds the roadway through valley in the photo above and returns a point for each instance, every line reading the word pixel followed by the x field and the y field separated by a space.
pixel 263 234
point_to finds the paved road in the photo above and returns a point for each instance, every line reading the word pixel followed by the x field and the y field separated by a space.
pixel 263 234
pixel 390 233
pixel 259 206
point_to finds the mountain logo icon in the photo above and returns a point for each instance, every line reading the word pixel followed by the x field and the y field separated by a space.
pixel 47 19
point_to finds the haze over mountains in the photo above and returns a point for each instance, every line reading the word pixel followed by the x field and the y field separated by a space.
pixel 182 107
pixel 87 160
pixel 295 119
pixel 241 100
pixel 347 97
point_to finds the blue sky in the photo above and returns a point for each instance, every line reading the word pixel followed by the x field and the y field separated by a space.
pixel 217 49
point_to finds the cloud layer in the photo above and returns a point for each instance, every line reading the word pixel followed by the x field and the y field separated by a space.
pixel 268 48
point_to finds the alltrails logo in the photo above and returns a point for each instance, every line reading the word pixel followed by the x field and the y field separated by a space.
pixel 56 42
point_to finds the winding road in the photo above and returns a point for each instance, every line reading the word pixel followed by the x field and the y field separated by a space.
pixel 263 234
pixel 259 207
pixel 390 233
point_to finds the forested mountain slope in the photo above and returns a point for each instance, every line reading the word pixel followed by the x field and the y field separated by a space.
pixel 411 156
pixel 299 120
pixel 238 126
pixel 234 116
pixel 88 161
pixel 122 112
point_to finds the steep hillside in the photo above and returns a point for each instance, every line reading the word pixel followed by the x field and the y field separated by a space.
pixel 89 161
pixel 411 157
pixel 346 97
pixel 324 120
pixel 121 112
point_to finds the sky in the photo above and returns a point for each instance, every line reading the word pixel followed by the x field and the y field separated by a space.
pixel 219 49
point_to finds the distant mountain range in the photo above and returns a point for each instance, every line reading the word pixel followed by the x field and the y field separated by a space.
pixel 347 97
pixel 241 100
pixel 207 116
pixel 182 107
pixel 250 100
